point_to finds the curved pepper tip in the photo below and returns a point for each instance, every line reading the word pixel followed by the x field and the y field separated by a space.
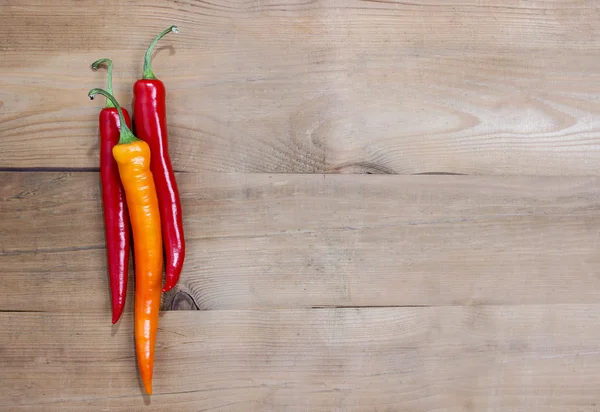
pixel 148 387
pixel 172 275
pixel 116 317
pixel 117 309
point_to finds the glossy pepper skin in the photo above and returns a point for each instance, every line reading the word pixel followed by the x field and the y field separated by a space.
pixel 149 113
pixel 133 158
pixel 116 218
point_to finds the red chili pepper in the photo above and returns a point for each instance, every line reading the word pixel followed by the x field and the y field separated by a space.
pixel 116 218
pixel 149 113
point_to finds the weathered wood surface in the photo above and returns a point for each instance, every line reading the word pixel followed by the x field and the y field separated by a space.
pixel 467 293
pixel 518 358
pixel 475 87
pixel 312 240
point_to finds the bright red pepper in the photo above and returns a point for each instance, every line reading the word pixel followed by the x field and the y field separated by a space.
pixel 116 217
pixel 149 113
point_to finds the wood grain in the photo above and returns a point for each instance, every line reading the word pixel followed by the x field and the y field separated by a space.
pixel 474 87
pixel 305 288
pixel 518 358
pixel 289 241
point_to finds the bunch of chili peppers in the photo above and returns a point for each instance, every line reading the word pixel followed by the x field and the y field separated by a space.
pixel 140 196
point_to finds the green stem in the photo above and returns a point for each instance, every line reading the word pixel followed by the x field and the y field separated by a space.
pixel 109 87
pixel 148 73
pixel 126 133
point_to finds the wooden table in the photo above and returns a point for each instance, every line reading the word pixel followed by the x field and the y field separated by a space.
pixel 389 205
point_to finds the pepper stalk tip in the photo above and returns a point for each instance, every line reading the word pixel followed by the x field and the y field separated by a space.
pixel 109 66
pixel 148 74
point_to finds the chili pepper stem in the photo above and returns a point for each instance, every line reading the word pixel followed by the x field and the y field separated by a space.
pixel 109 87
pixel 148 73
pixel 126 133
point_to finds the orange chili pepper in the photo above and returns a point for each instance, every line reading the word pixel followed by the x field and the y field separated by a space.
pixel 133 157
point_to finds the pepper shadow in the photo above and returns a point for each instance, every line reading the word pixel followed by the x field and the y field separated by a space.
pixel 115 328
pixel 169 47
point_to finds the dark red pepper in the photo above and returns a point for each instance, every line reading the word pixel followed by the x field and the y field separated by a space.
pixel 149 114
pixel 116 217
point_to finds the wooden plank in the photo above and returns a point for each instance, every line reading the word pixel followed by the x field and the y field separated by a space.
pixel 474 87
pixel 521 358
pixel 292 241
